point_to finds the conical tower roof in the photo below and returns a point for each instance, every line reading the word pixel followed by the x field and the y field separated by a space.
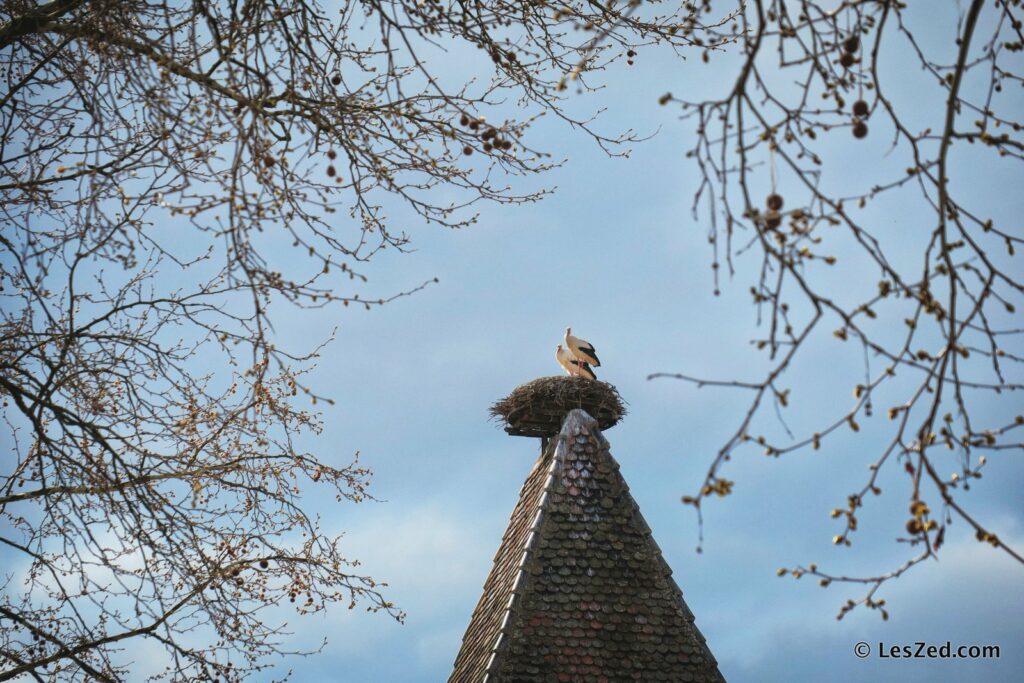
pixel 579 590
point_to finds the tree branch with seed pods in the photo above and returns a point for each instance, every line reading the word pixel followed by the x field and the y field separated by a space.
pixel 937 334
pixel 157 162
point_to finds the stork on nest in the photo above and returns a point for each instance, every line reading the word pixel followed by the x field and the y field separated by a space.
pixel 577 357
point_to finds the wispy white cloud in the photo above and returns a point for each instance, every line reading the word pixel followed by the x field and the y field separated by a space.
pixel 973 596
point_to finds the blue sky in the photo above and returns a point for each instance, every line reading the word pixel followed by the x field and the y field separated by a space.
pixel 616 254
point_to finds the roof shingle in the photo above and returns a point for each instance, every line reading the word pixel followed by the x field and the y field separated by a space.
pixel 579 591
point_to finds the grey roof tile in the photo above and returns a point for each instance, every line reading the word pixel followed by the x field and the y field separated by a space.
pixel 579 590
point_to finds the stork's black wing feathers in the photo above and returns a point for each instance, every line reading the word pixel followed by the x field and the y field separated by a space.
pixel 585 368
pixel 593 354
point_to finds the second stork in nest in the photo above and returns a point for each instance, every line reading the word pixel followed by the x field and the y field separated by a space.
pixel 577 356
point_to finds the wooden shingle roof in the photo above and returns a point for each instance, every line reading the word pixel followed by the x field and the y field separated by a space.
pixel 579 591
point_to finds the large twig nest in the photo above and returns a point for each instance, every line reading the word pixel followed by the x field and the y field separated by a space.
pixel 537 408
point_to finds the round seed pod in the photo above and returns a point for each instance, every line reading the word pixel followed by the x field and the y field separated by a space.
pixel 464 120
pixel 331 171
pixel 467 150
pixel 847 59
pixel 774 201
pixel 851 44
pixel 336 79
pixel 772 220
pixel 861 108
pixel 860 129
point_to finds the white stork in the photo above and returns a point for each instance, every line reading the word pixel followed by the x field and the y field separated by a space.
pixel 572 365
pixel 582 350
